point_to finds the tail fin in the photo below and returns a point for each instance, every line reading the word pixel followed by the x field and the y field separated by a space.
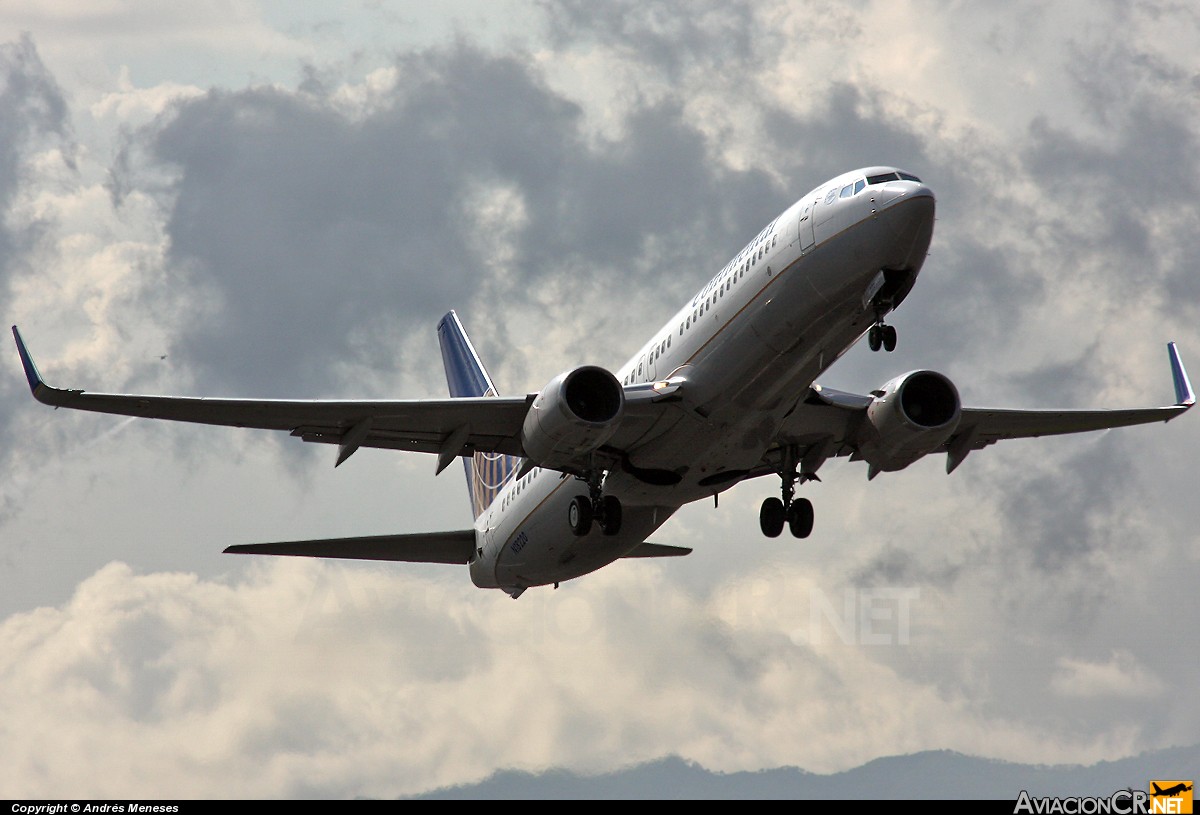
pixel 487 473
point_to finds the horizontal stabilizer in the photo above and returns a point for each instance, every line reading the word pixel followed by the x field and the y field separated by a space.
pixel 430 547
pixel 648 549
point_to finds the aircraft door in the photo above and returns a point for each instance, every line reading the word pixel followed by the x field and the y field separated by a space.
pixel 806 226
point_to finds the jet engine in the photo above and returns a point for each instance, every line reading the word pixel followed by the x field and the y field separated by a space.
pixel 911 415
pixel 572 416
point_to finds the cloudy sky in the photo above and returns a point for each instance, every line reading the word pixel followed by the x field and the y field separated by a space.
pixel 280 199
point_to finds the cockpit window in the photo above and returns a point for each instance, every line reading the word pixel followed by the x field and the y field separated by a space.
pixel 883 178
pixel 847 191
pixel 858 186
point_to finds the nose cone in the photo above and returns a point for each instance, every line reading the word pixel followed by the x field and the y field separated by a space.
pixel 908 215
pixel 918 190
pixel 895 191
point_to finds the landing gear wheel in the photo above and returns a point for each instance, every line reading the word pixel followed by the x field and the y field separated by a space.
pixel 610 515
pixel 579 515
pixel 875 337
pixel 772 517
pixel 889 338
pixel 800 518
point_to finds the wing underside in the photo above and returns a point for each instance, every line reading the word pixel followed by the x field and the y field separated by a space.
pixel 448 427
pixel 824 424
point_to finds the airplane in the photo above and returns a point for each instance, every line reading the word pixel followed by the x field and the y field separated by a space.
pixel 1169 792
pixel 581 473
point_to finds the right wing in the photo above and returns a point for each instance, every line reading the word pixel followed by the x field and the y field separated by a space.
pixel 448 427
pixel 430 547
pixel 452 427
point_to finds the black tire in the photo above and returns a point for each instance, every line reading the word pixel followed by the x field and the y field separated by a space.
pixel 772 517
pixel 800 518
pixel 889 338
pixel 875 340
pixel 579 515
pixel 610 514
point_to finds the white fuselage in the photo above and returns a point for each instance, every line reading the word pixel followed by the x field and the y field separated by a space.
pixel 747 346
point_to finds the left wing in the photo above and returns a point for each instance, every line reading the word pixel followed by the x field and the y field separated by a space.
pixel 825 423
pixel 980 427
pixel 448 427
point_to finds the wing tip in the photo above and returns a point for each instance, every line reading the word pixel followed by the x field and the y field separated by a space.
pixel 31 371
pixel 1184 396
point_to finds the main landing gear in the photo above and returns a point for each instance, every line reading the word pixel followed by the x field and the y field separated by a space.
pixel 596 507
pixel 882 336
pixel 797 513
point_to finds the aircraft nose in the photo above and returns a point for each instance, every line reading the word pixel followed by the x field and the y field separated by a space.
pixel 910 195
pixel 920 191
pixel 910 215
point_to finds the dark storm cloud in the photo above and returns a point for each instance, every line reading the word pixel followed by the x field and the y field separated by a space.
pixel 1057 518
pixel 1143 178
pixel 848 129
pixel 320 235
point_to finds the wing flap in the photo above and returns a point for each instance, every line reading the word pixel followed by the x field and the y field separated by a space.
pixel 431 547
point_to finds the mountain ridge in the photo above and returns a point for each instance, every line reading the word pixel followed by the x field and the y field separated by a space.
pixel 932 774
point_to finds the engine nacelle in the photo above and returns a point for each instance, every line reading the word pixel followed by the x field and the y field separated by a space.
pixel 572 416
pixel 911 416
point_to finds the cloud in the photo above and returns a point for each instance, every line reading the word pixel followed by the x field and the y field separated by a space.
pixel 1121 676
pixel 310 237
pixel 166 685
pixel 300 235
pixel 32 111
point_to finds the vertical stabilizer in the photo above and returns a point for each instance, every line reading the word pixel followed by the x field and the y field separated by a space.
pixel 487 473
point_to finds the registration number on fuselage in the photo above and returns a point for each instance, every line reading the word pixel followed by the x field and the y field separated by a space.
pixel 519 543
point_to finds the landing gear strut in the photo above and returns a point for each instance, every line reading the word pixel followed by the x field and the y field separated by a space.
pixel 797 513
pixel 603 509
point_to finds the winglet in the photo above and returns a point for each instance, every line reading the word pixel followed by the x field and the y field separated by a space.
pixel 31 371
pixel 1183 388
